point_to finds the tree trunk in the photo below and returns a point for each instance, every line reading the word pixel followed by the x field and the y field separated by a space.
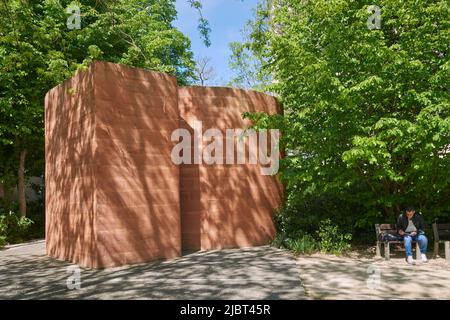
pixel 21 187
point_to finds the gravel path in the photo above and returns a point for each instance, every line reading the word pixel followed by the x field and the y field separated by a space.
pixel 331 277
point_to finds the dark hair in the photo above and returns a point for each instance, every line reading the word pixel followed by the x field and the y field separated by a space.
pixel 409 209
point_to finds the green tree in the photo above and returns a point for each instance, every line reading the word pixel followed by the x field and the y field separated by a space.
pixel 248 67
pixel 248 73
pixel 203 24
pixel 367 113
pixel 38 50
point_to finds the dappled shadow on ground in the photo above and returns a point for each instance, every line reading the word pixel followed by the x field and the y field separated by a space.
pixel 253 273
pixel 331 277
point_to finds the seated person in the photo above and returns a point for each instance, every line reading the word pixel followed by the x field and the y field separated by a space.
pixel 411 227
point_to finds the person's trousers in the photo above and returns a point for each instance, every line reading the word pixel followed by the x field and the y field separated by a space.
pixel 420 238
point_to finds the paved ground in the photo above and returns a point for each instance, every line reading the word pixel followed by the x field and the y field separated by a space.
pixel 330 277
pixel 254 273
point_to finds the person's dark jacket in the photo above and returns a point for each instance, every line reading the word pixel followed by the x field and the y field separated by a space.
pixel 417 219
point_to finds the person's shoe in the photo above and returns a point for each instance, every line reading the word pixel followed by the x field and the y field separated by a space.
pixel 424 258
pixel 410 260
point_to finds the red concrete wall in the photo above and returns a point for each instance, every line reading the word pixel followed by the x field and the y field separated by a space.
pixel 113 194
pixel 229 205
pixel 112 190
pixel 70 179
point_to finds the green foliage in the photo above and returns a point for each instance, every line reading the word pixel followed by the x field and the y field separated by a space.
pixel 247 66
pixel 38 51
pixel 203 24
pixel 298 243
pixel 3 230
pixel 366 126
pixel 248 73
pixel 304 244
pixel 292 236
pixel 13 228
pixel 36 212
pixel 307 234
pixel 331 240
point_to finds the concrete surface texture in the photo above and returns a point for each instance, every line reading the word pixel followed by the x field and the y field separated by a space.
pixel 112 190
pixel 253 273
pixel 225 205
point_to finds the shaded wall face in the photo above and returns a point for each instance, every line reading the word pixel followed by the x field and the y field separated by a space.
pixel 229 205
pixel 70 171
pixel 112 189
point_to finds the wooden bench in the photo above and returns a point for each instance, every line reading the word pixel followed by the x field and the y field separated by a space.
pixel 381 230
pixel 440 231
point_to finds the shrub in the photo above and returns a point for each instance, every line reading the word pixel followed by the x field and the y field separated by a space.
pixel 36 212
pixel 297 242
pixel 331 240
pixel 304 244
pixel 13 228
pixel 2 232
pixel 278 240
pixel 2 241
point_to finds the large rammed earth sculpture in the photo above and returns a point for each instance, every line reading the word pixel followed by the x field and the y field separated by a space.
pixel 114 195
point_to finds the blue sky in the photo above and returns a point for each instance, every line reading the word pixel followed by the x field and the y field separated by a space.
pixel 226 19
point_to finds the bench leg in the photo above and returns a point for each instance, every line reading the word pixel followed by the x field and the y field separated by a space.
pixel 417 251
pixel 447 250
pixel 436 250
pixel 387 253
pixel 378 250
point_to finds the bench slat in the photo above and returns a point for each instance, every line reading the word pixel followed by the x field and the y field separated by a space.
pixel 443 226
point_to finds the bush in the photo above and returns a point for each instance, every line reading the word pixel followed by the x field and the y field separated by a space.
pixel 331 240
pixel 2 233
pixel 306 232
pixel 305 244
pixel 36 212
pixel 278 241
pixel 297 242
pixel 13 228
pixel 2 241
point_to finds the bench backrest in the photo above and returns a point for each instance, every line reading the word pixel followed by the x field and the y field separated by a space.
pixel 441 231
pixel 385 228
